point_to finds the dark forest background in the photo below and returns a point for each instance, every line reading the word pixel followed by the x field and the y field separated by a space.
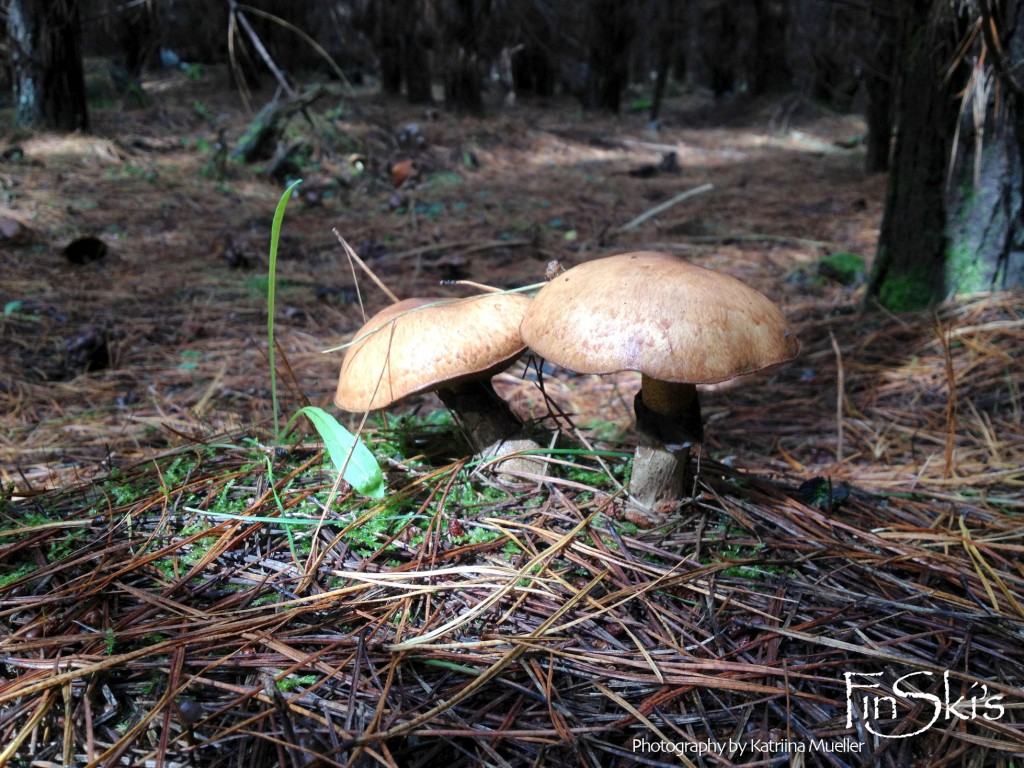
pixel 939 83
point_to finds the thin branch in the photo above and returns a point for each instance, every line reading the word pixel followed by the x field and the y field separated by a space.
pixel 840 394
pixel 263 52
pixel 665 206
pixel 362 264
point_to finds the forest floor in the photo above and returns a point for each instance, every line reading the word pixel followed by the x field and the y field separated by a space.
pixel 858 511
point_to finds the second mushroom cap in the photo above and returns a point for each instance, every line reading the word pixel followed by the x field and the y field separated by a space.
pixel 422 344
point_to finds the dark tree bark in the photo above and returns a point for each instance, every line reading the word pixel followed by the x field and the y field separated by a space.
pixel 769 69
pixel 664 17
pixel 463 86
pixel 396 32
pixel 611 28
pixel 725 45
pixel 139 37
pixel 879 76
pixel 462 24
pixel 529 29
pixel 49 83
pixel 909 271
pixel 389 57
pixel 416 68
pixel 953 217
pixel 986 199
pixel 533 71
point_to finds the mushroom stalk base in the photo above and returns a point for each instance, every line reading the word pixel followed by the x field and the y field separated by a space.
pixel 492 429
pixel 516 470
pixel 668 419
pixel 484 416
pixel 658 482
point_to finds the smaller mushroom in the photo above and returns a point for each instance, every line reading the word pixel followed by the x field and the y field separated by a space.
pixel 448 346
pixel 679 325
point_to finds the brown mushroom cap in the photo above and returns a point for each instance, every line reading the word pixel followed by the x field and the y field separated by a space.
pixel 657 314
pixel 418 345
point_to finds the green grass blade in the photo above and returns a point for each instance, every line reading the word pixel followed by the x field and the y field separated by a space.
pixel 275 236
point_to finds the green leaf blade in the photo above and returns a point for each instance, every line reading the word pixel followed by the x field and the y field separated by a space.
pixel 350 456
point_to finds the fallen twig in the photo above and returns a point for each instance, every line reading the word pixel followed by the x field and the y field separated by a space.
pixel 665 206
pixel 350 252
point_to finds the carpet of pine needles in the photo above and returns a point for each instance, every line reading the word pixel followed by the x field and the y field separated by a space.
pixel 180 590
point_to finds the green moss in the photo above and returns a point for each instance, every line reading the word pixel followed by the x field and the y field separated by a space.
pixel 511 550
pixel 966 269
pixel 478 535
pixel 843 267
pixel 606 431
pixel 63 547
pixel 292 682
pixel 10 577
pixel 907 292
pixel 588 477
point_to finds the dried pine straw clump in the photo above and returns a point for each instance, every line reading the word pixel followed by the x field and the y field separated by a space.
pixel 920 403
pixel 225 604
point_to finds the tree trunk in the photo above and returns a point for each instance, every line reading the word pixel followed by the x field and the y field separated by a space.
pixel 139 37
pixel 463 86
pixel 610 35
pixel 462 25
pixel 665 37
pixel 533 72
pixel 660 81
pixel 720 43
pixel 395 30
pixel 953 217
pixel 879 78
pixel 986 195
pixel 910 264
pixel 416 70
pixel 878 116
pixel 389 57
pixel 49 82
pixel 769 72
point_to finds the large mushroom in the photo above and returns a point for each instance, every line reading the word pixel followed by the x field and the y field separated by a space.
pixel 679 325
pixel 448 346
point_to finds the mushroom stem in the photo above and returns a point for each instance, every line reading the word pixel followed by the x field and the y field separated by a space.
pixel 484 416
pixel 667 398
pixel 492 429
pixel 668 420
pixel 657 484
